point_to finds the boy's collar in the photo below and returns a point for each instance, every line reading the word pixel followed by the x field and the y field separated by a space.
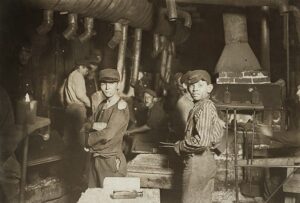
pixel 202 100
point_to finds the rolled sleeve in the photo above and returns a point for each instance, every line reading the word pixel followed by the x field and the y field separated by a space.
pixel 208 130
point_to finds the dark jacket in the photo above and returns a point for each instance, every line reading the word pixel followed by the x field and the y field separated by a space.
pixel 108 142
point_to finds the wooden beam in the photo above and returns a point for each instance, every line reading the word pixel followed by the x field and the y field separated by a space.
pixel 271 162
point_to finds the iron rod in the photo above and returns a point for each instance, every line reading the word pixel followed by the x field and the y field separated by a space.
pixel 287 44
pixel 235 159
pixel 226 151
pixel 268 166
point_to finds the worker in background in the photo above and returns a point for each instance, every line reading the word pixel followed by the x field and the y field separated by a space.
pixel 183 105
pixel 291 141
pixel 76 99
pixel 203 131
pixel 96 55
pixel 105 132
pixel 10 137
pixel 289 138
pixel 156 127
pixel 91 81
pixel 137 108
pixel 19 79
pixel 95 59
pixel 77 103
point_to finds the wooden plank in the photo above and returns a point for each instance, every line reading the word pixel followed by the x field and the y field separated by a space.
pixel 40 122
pixel 239 106
pixel 274 162
pixel 44 160
pixel 293 184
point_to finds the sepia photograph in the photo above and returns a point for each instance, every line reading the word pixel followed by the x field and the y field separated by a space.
pixel 149 101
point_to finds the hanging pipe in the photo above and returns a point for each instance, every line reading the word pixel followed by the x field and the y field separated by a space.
pixel 47 23
pixel 137 44
pixel 122 52
pixel 173 48
pixel 172 11
pixel 117 38
pixel 169 62
pixel 139 13
pixel 71 30
pixel 187 18
pixel 156 44
pixel 164 58
pixel 89 29
pixel 296 12
pixel 265 40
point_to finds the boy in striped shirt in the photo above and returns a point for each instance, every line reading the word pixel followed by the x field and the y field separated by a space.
pixel 203 131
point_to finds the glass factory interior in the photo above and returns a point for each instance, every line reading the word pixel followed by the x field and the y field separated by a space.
pixel 115 99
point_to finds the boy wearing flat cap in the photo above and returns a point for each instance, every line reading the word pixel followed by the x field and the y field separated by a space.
pixel 203 130
pixel 104 140
pixel 155 127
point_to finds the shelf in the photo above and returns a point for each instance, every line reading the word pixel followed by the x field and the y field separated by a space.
pixel 40 122
pixel 234 105
pixel 45 160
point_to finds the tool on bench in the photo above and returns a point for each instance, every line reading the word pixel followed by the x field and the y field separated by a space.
pixel 166 144
pixel 126 194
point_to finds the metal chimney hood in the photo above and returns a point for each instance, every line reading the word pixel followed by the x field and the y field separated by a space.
pixel 237 55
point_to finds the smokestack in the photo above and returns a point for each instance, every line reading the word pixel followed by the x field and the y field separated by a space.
pixel 237 55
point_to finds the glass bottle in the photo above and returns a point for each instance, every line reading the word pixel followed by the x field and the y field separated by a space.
pixel 255 96
pixel 227 96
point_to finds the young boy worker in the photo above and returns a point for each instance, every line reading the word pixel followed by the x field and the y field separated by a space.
pixel 104 140
pixel 203 131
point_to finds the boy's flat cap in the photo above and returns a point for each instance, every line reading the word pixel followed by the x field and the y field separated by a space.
pixel 109 75
pixel 151 92
pixel 194 76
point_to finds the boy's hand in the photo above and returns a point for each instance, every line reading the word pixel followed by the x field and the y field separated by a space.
pixel 99 126
pixel 264 130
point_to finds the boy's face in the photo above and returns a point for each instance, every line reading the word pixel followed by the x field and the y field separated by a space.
pixel 200 90
pixel 109 89
pixel 92 71
pixel 24 56
pixel 148 99
pixel 83 70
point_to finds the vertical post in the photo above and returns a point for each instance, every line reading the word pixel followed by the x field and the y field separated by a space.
pixel 287 46
pixel 24 165
pixel 252 147
pixel 226 151
pixel 235 160
pixel 137 44
pixel 265 40
pixel 121 57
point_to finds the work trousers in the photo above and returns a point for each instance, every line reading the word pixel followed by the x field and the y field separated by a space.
pixel 100 167
pixel 74 120
pixel 10 175
pixel 198 178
